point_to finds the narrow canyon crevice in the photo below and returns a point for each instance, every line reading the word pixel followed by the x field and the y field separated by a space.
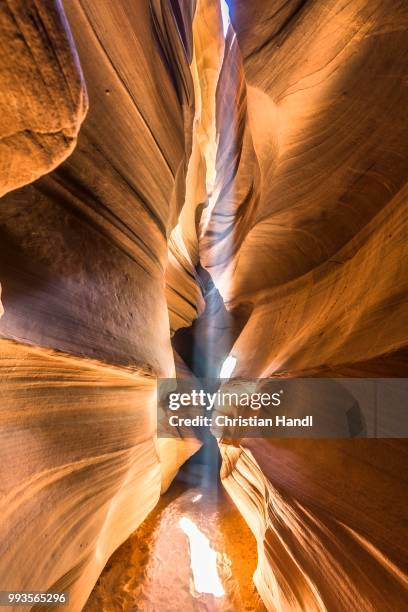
pixel 183 181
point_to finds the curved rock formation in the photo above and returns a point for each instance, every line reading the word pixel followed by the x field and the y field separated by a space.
pixel 79 466
pixel 239 194
pixel 43 99
pixel 321 267
pixel 82 267
pixel 331 190
pixel 323 543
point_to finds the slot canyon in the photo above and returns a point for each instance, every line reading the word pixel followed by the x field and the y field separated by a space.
pixel 188 185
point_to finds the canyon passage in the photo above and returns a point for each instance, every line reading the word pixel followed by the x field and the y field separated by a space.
pixel 214 193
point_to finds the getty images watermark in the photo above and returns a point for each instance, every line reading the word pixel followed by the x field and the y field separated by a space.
pixel 308 407
pixel 208 400
pixel 226 399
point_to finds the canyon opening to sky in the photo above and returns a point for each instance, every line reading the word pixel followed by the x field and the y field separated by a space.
pixel 203 315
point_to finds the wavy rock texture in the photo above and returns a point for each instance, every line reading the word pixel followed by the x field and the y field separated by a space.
pixel 184 287
pixel 313 506
pixel 82 265
pixel 320 209
pixel 79 466
pixel 85 247
pixel 272 164
pixel 316 269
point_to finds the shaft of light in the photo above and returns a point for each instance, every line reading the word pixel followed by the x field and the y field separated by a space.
pixel 225 16
pixel 203 560
pixel 228 367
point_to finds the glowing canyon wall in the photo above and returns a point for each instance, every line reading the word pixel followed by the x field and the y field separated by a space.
pixel 275 159
pixel 318 269
pixel 85 328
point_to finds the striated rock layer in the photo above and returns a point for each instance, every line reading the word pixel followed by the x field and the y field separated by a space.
pixel 258 180
pixel 325 541
pixel 85 247
pixel 316 207
pixel 317 274
pixel 85 329
pixel 79 467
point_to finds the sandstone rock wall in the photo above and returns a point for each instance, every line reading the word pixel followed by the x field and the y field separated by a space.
pixel 275 161
pixel 85 329
pixel 319 273
pixel 43 99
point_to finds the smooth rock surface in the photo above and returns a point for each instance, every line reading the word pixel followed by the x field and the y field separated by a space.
pixel 43 99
